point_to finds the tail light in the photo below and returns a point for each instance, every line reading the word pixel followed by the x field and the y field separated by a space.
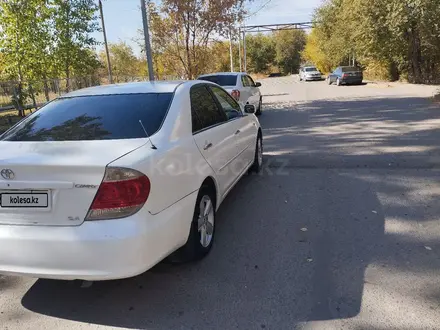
pixel 122 193
pixel 236 94
pixel 344 75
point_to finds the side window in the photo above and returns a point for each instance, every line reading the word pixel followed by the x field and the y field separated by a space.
pixel 227 102
pixel 245 81
pixel 204 110
pixel 251 81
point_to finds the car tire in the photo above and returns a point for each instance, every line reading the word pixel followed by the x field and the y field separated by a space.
pixel 258 158
pixel 260 108
pixel 338 82
pixel 202 231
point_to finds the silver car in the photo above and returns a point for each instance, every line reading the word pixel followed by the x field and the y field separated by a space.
pixel 309 73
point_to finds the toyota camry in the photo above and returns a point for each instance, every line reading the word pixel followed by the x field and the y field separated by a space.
pixel 104 183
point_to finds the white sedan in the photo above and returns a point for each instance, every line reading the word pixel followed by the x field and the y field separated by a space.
pixel 104 183
pixel 240 85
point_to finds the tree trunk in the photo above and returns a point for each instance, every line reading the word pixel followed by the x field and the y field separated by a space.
pixel 46 90
pixel 67 72
pixel 34 101
pixel 187 48
pixel 415 56
pixel 394 71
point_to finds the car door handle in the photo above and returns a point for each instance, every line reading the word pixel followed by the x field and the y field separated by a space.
pixel 207 146
pixel 238 132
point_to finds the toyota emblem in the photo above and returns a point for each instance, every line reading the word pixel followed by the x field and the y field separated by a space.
pixel 7 174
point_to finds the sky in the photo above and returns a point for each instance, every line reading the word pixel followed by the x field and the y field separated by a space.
pixel 123 17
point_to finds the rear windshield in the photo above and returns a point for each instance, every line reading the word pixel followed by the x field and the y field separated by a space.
pixel 222 80
pixel 101 117
pixel 310 69
pixel 350 69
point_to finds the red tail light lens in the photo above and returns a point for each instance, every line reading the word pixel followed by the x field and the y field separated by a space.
pixel 236 94
pixel 344 75
pixel 122 193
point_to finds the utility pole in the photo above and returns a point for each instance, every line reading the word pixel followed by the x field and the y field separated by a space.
pixel 244 51
pixel 147 41
pixel 109 65
pixel 239 47
pixel 231 50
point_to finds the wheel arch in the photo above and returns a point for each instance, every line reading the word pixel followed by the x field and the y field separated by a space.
pixel 212 184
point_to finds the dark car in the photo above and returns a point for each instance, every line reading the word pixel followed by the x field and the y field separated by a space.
pixel 346 75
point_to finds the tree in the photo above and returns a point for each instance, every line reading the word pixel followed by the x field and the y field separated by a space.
pixel 184 28
pixel 24 42
pixel 124 62
pixel 313 54
pixel 74 21
pixel 261 50
pixel 289 46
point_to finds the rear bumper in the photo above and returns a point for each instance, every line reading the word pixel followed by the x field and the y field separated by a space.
pixel 352 80
pixel 99 250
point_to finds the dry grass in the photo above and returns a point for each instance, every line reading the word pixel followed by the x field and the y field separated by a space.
pixel 257 76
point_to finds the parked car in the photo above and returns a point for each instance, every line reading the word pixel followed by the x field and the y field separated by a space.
pixel 241 86
pixel 105 182
pixel 309 73
pixel 346 75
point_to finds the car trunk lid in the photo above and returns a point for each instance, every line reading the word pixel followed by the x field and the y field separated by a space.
pixel 54 183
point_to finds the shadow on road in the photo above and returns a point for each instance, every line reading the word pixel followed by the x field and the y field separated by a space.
pixel 263 271
pixel 293 244
pixel 375 133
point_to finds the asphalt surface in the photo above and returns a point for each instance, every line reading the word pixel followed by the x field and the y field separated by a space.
pixel 340 231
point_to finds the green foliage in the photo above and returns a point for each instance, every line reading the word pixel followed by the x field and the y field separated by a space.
pixel 125 64
pixel 261 52
pixel 25 38
pixel 47 38
pixel 289 45
pixel 74 21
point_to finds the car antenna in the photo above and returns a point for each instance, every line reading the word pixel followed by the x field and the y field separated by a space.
pixel 148 135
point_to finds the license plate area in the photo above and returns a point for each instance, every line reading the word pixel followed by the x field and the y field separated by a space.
pixel 25 200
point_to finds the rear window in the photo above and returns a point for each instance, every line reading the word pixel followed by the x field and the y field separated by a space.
pixel 101 117
pixel 310 69
pixel 222 80
pixel 350 69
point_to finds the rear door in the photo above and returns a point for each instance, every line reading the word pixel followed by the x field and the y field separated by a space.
pixel 214 135
pixel 255 92
pixel 52 163
pixel 334 76
pixel 246 92
pixel 246 130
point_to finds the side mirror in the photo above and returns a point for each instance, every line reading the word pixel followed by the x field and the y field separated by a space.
pixel 257 84
pixel 233 114
pixel 249 108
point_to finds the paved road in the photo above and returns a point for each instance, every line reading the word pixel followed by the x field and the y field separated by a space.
pixel 358 167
